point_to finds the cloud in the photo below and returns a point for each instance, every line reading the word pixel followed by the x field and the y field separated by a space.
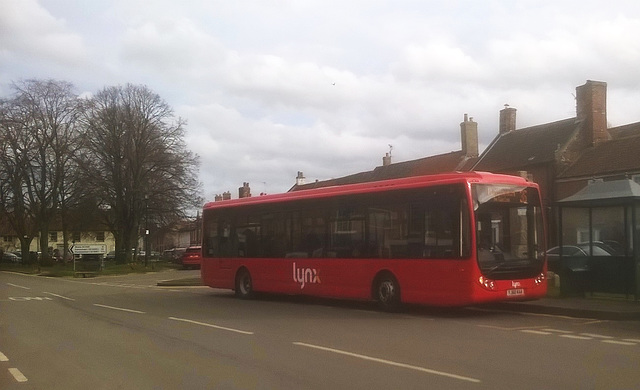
pixel 28 31
pixel 323 87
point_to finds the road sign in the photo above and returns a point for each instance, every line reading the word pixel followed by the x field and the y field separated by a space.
pixel 88 249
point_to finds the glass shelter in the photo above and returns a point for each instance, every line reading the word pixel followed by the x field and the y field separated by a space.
pixel 599 241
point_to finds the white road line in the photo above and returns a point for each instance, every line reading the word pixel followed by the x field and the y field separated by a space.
pixel 596 336
pixel 17 285
pixel 59 296
pixel 632 340
pixel 17 375
pixel 558 331
pixel 25 299
pixel 119 308
pixel 3 357
pixel 524 313
pixel 505 328
pixel 389 362
pixel 531 331
pixel 575 337
pixel 210 325
pixel 617 342
pixel 595 322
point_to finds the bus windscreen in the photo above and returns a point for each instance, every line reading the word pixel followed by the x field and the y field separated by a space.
pixel 509 231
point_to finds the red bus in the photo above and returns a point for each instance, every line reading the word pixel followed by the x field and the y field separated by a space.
pixel 445 240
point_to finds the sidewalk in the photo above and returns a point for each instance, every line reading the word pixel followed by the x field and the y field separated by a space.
pixel 595 307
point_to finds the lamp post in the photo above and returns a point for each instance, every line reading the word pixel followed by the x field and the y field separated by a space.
pixel 146 230
pixel 73 243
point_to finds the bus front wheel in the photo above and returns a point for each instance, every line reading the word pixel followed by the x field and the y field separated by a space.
pixel 244 285
pixel 387 292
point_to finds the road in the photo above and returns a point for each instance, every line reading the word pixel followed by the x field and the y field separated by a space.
pixel 125 332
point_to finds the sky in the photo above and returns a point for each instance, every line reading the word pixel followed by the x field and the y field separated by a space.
pixel 272 87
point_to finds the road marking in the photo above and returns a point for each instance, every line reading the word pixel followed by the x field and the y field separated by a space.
pixel 17 375
pixel 575 337
pixel 389 362
pixel 619 342
pixel 22 299
pixel 584 336
pixel 17 285
pixel 531 331
pixel 59 296
pixel 210 325
pixel 505 328
pixel 3 357
pixel 558 331
pixel 524 313
pixel 119 308
pixel 595 322
pixel 596 336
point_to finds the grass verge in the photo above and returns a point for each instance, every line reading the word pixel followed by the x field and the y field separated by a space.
pixel 67 270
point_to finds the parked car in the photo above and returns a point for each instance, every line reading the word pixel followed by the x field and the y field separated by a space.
pixel 8 257
pixel 576 256
pixel 173 255
pixel 580 250
pixel 192 257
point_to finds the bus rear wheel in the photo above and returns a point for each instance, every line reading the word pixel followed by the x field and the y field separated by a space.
pixel 387 292
pixel 244 285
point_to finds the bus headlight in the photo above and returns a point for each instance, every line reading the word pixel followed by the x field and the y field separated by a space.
pixel 539 279
pixel 487 283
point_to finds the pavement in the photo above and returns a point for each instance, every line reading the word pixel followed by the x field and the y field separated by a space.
pixel 593 306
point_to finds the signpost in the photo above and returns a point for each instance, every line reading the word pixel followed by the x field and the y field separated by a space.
pixel 88 249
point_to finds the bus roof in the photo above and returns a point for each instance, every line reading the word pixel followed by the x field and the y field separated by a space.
pixel 375 186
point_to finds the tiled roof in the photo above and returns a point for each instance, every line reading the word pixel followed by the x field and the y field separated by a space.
pixel 448 162
pixel 618 155
pixel 521 148
pixel 630 130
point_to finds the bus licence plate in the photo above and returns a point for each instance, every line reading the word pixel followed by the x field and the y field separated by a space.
pixel 517 292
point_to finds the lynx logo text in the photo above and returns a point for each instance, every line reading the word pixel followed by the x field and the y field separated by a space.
pixel 305 275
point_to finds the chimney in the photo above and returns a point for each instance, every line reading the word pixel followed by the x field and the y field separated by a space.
pixel 507 119
pixel 469 137
pixel 386 160
pixel 226 195
pixel 244 191
pixel 591 109
pixel 300 179
pixel 218 198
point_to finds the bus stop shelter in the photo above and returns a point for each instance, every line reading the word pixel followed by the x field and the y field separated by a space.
pixel 599 243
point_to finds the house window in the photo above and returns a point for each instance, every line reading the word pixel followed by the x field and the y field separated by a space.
pixel 599 231
pixel 53 236
pixel 575 226
pixel 608 226
pixel 100 236
pixel 583 235
pixel 75 236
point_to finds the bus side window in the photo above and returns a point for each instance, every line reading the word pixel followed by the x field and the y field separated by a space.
pixel 444 237
pixel 210 235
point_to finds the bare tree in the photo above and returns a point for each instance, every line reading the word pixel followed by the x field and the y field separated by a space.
pixel 13 192
pixel 38 126
pixel 135 162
